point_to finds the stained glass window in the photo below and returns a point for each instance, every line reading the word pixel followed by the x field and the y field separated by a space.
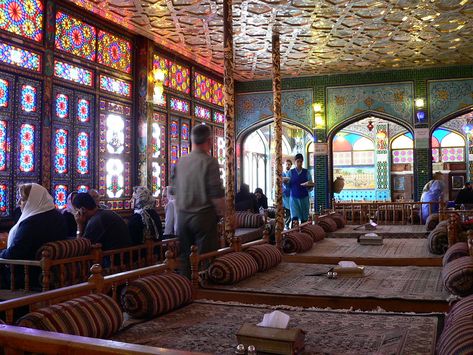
pixel 27 145
pixel 158 142
pixel 403 149
pixel 179 105
pixel 114 52
pixel 174 155
pixel 219 117
pixel 83 110
pixel 3 145
pixel 219 150
pixel 83 188
pixel 60 151
pixel 73 73
pixel 217 93
pixel 115 134
pixel 174 131
pixel 115 178
pixel 452 146
pixel 4 93
pixel 176 76
pixel 62 106
pixel 363 157
pixel 115 86
pixel 202 112
pixel 60 196
pixel 403 156
pixel 28 98
pixel 22 17
pixel 341 158
pixel 4 203
pixel 185 131
pixel 74 36
pixel 19 57
pixel 207 89
pixel 83 152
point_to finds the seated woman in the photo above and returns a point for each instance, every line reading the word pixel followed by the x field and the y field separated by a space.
pixel 68 214
pixel 39 223
pixel 261 199
pixel 145 222
pixel 246 201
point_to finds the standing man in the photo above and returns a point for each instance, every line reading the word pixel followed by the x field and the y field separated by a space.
pixel 286 194
pixel 299 183
pixel 200 197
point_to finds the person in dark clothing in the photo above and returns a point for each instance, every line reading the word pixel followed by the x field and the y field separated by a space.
pixel 68 214
pixel 145 222
pixel 245 201
pixel 98 225
pixel 261 199
pixel 38 224
pixel 465 195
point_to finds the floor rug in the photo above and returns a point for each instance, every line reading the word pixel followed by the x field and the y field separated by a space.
pixel 385 282
pixel 211 327
pixel 386 231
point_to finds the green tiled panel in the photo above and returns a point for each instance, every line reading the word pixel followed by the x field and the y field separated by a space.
pixel 321 183
pixel 423 159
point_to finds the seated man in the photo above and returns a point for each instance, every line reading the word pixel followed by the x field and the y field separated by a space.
pixel 98 225
pixel 96 196
pixel 245 201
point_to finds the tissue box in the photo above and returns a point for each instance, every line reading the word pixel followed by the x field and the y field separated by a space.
pixel 358 271
pixel 272 340
pixel 370 239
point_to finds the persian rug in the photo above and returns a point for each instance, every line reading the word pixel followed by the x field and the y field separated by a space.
pixel 386 231
pixel 384 282
pixel 212 327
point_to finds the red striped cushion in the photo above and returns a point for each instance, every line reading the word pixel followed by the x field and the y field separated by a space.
pixel 296 242
pixel 339 220
pixel 458 276
pixel 63 249
pixel 456 251
pixel 266 256
pixel 328 224
pixel 248 220
pixel 95 315
pixel 432 221
pixel 461 309
pixel 232 267
pixel 457 338
pixel 157 294
pixel 437 241
pixel 316 232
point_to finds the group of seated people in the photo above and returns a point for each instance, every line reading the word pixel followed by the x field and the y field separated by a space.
pixel 252 202
pixel 84 217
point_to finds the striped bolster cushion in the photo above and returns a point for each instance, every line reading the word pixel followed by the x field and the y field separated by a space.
pixel 157 294
pixel 457 338
pixel 296 242
pixel 456 251
pixel 339 220
pixel 232 267
pixel 248 220
pixel 432 221
pixel 438 241
pixel 266 256
pixel 95 315
pixel 316 232
pixel 328 224
pixel 461 309
pixel 458 276
pixel 63 249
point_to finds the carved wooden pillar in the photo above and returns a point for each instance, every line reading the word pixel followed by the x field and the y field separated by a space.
pixel 278 134
pixel 229 108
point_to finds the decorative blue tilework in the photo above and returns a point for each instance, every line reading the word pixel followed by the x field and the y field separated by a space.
pixel 449 96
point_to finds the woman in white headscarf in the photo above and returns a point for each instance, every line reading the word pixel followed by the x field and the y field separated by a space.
pixel 39 223
pixel 68 214
pixel 145 222
pixel 170 223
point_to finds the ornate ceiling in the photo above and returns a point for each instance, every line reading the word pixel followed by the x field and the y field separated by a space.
pixel 317 36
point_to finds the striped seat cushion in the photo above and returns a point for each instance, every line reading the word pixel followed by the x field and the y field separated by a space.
pixel 316 232
pixel 63 249
pixel 339 220
pixel 328 224
pixel 266 256
pixel 432 221
pixel 248 220
pixel 232 267
pixel 437 241
pixel 157 294
pixel 458 276
pixel 95 315
pixel 456 251
pixel 462 308
pixel 296 242
pixel 249 234
pixel 457 338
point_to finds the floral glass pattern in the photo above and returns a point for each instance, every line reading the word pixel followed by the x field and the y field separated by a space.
pixel 179 105
pixel 202 112
pixel 74 36
pixel 176 76
pixel 60 196
pixel 158 142
pixel 115 86
pixel 114 178
pixel 3 199
pixel 115 134
pixel 60 151
pixel 62 106
pixel 174 131
pixel 174 155
pixel 3 145
pixel 219 117
pixel 73 73
pixel 83 110
pixel 114 52
pixel 27 146
pixel 28 98
pixel 4 93
pixel 83 188
pixel 20 57
pixel 22 17
pixel 217 93
pixel 185 131
pixel 207 89
pixel 83 153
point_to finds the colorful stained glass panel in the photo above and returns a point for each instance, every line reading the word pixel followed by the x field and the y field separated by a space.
pixel 73 73
pixel 83 188
pixel 156 178
pixel 74 36
pixel 174 155
pixel 3 199
pixel 453 154
pixel 219 117
pixel 28 98
pixel 115 86
pixel 185 131
pixel 62 106
pixel 115 135
pixel 174 129
pixel 3 145
pixel 435 155
pixel 179 105
pixel 202 112
pixel 83 110
pixel 217 93
pixel 19 57
pixel 60 196
pixel 403 156
pixel 22 17
pixel 114 52
pixel 60 151
pixel 179 78
pixel 83 152
pixel 27 138
pixel 202 87
pixel 114 178
pixel 4 93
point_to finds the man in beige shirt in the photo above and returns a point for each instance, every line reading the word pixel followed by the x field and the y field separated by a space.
pixel 200 197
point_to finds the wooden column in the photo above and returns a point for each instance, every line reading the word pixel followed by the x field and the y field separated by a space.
pixel 229 108
pixel 278 134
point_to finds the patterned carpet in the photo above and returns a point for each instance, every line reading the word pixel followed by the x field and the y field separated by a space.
pixel 211 327
pixel 400 282
pixel 386 231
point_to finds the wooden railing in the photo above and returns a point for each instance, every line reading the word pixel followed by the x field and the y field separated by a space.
pixel 384 212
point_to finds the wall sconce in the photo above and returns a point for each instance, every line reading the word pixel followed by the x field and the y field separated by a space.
pixel 158 97
pixel 317 108
pixel 319 121
pixel 420 116
pixel 419 103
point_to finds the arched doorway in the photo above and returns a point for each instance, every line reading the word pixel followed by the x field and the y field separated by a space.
pixel 258 152
pixel 375 157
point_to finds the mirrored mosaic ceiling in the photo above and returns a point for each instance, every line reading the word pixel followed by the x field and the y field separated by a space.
pixel 317 36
